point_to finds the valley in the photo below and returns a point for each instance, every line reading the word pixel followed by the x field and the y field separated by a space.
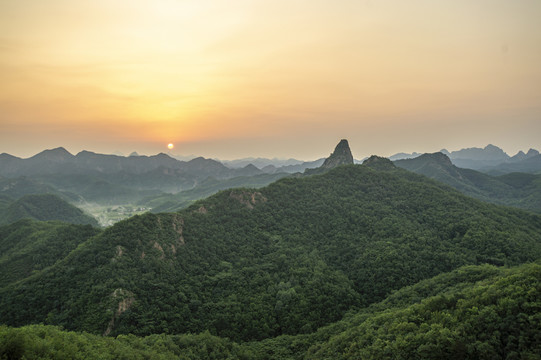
pixel 107 215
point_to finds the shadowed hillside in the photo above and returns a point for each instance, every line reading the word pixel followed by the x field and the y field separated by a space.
pixel 44 207
pixel 516 189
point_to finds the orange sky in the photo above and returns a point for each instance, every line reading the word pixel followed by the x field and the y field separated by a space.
pixel 273 78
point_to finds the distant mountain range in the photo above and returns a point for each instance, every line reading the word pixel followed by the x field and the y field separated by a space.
pixel 260 162
pixel 93 178
pixel 521 190
pixel 113 179
pixel 490 159
pixel 60 161
pixel 164 183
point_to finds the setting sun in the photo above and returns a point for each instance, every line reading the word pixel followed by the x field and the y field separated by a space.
pixel 170 146
pixel 224 79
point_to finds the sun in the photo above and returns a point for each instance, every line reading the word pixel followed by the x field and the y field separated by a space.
pixel 170 146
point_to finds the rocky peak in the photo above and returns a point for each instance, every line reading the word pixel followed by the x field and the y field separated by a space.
pixel 340 156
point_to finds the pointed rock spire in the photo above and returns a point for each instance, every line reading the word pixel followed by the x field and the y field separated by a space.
pixel 340 156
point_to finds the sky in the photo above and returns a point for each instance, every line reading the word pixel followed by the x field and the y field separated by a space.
pixel 269 78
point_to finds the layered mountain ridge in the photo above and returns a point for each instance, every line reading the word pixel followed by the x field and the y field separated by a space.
pixel 490 159
pixel 516 189
pixel 356 261
pixel 285 259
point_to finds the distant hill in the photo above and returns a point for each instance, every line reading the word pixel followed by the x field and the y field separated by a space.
pixel 475 158
pixel 260 162
pixel 519 190
pixel 210 186
pixel 527 165
pixel 520 156
pixel 18 187
pixel 291 169
pixel 60 161
pixel 44 207
pixel 286 259
pixel 112 179
pixel 490 159
pixel 401 156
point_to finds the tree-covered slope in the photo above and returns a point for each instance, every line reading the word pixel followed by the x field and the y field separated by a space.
pixel 497 317
pixel 5 201
pixel 210 186
pixel 44 207
pixel 285 259
pixel 20 186
pixel 39 342
pixel 474 312
pixel 28 246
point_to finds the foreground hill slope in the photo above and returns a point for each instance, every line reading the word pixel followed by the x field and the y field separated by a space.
pixel 285 259
pixel 496 317
pixel 474 312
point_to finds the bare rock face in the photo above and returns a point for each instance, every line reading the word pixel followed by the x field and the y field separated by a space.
pixel 340 156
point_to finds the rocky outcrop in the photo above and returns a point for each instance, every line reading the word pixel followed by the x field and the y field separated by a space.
pixel 340 156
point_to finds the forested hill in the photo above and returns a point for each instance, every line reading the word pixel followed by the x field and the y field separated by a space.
pixel 477 312
pixel 517 189
pixel 29 246
pixel 474 312
pixel 44 207
pixel 285 259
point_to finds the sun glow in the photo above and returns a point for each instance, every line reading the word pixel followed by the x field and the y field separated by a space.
pixel 170 146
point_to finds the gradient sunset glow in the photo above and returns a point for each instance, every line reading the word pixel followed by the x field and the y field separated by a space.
pixel 230 79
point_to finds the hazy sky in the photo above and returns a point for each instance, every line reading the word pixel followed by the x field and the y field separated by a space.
pixel 273 78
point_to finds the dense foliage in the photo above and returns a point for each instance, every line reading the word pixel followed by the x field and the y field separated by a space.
pixel 29 246
pixel 498 318
pixel 47 342
pixel 44 207
pixel 474 312
pixel 286 259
